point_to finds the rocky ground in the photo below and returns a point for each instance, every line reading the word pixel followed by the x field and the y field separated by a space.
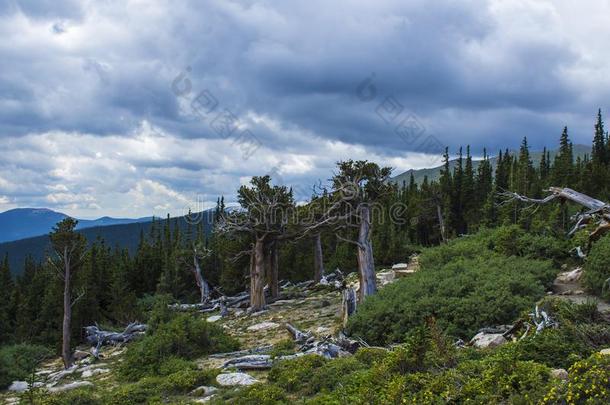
pixel 568 286
pixel 316 310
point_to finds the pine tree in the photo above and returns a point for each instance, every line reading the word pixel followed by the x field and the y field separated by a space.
pixel 7 309
pixel 563 166
pixel 599 154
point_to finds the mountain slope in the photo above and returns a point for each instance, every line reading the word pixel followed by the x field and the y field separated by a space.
pixel 122 235
pixel 22 223
pixel 435 172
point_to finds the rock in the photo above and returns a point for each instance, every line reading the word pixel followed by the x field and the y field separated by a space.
pixel 263 326
pixel 12 400
pixel 80 355
pixel 560 374
pixel 18 386
pixel 386 277
pixel 484 340
pixel 400 266
pixel 95 371
pixel 570 276
pixel 229 379
pixel 605 352
pixel 214 318
pixel 71 386
pixel 322 330
pixel 204 399
pixel 203 391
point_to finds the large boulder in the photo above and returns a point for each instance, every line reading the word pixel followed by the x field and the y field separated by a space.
pixel 484 340
pixel 385 277
pixel 230 379
pixel 560 374
pixel 18 386
pixel 570 276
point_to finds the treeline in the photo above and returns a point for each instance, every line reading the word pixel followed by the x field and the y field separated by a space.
pixel 114 287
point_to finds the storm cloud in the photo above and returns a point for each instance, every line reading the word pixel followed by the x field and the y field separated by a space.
pixel 146 107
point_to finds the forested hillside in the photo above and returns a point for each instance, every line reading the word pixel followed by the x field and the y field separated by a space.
pixel 486 260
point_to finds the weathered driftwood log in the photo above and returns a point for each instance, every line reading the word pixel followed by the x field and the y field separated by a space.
pixel 260 349
pixel 99 337
pixel 298 336
pixel 598 211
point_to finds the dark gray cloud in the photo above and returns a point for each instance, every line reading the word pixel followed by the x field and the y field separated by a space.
pixel 89 87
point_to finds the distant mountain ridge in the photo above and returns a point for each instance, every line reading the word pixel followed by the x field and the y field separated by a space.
pixel 434 173
pixel 21 223
pixel 125 236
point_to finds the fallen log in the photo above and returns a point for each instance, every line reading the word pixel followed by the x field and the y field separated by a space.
pixel 260 349
pixel 298 336
pixel 99 337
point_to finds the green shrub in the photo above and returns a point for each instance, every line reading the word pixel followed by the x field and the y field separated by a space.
pixel 184 381
pixel 464 286
pixel 175 364
pixel 145 391
pixel 283 348
pixel 370 355
pixel 18 362
pixel 186 336
pixel 588 383
pixel 294 375
pixel 597 268
pixel 79 396
pixel 260 394
pixel 331 374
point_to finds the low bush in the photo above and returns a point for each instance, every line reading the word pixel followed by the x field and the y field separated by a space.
pixel 463 286
pixel 186 336
pixel 596 276
pixel 283 348
pixel 293 375
pixel 18 362
pixel 79 396
pixel 184 381
pixel 145 391
pixel 588 383
pixel 260 394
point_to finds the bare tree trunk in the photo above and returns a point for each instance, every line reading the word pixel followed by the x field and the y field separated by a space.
pixel 274 269
pixel 318 258
pixel 441 222
pixel 66 351
pixel 204 289
pixel 366 262
pixel 257 273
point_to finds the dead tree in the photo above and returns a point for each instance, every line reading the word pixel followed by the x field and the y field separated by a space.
pixel 203 286
pixel 357 189
pixel 264 217
pixel 68 253
pixel 318 257
pixel 597 212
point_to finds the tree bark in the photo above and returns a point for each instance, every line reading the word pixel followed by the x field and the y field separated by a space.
pixel 441 222
pixel 257 273
pixel 366 262
pixel 66 351
pixel 318 258
pixel 274 285
pixel 204 289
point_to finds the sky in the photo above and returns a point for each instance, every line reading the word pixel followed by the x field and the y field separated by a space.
pixel 135 108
